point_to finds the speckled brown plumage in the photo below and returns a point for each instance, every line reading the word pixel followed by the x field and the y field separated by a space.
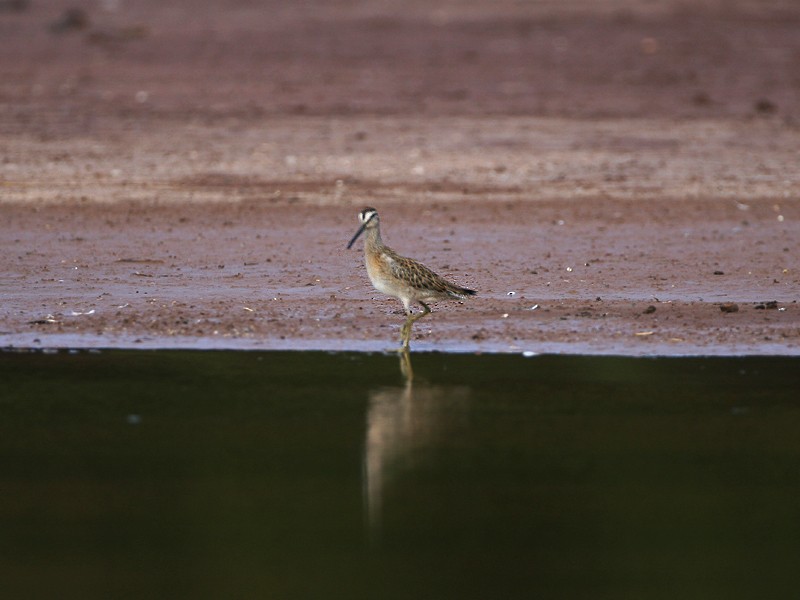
pixel 421 278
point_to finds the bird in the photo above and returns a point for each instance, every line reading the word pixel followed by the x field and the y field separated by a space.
pixel 403 278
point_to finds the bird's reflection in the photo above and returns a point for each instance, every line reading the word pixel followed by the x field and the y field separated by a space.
pixel 404 426
pixel 405 366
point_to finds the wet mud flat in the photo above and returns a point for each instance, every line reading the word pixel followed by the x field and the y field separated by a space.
pixel 612 277
pixel 615 177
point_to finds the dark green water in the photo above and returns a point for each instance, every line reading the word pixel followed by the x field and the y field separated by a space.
pixel 313 475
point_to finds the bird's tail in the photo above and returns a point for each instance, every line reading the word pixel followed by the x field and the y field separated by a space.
pixel 460 292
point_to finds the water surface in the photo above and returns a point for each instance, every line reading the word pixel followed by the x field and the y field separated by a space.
pixel 132 474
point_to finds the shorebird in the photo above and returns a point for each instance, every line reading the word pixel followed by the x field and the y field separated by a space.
pixel 403 278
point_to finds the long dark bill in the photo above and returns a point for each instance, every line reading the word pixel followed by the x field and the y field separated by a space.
pixel 355 237
pixel 359 232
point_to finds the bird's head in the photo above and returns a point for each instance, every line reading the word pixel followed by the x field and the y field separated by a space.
pixel 368 219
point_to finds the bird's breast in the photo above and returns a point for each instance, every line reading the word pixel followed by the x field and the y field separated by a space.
pixel 380 274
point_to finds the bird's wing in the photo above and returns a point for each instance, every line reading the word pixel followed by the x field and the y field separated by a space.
pixel 418 276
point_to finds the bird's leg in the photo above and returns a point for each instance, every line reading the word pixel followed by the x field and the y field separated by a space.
pixel 405 332
pixel 426 310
